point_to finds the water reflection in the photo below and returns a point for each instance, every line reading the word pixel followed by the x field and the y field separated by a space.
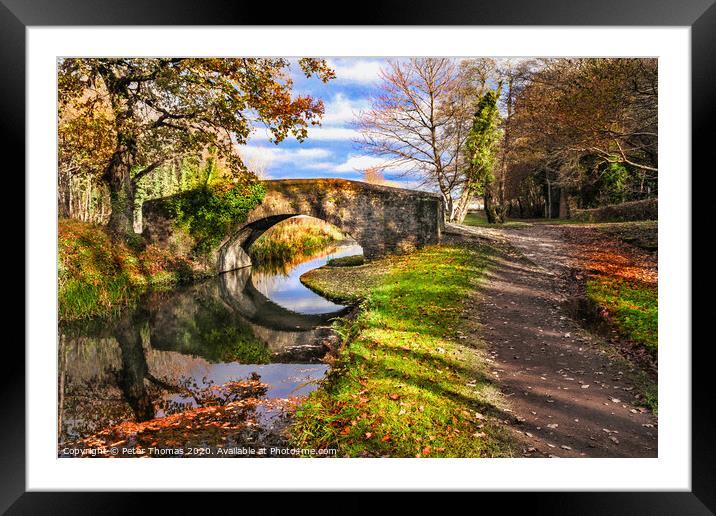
pixel 287 290
pixel 236 347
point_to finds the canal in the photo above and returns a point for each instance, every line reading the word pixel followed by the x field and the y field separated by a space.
pixel 218 365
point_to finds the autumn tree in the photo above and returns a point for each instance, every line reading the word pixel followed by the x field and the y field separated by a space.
pixel 514 74
pixel 589 124
pixel 85 144
pixel 160 108
pixel 374 176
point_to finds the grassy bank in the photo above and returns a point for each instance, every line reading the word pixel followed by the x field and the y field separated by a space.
pixel 630 294
pixel 632 308
pixel 97 277
pixel 408 382
pixel 293 237
pixel 622 287
pixel 623 279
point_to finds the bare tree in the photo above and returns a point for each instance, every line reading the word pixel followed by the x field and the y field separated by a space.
pixel 418 123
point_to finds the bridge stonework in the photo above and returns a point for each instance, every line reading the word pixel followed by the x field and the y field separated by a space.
pixel 381 219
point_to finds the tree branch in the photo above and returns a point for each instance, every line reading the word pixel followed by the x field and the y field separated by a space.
pixel 139 175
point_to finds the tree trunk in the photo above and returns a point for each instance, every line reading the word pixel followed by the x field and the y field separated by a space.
pixel 121 189
pixel 563 203
pixel 449 207
pixel 493 211
pixel 462 204
pixel 489 207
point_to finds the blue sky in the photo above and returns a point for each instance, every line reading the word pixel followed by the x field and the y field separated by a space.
pixel 330 150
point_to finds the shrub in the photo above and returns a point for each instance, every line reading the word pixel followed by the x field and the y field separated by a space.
pixel 647 209
pixel 208 212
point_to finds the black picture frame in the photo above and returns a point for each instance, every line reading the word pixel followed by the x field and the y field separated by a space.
pixel 700 15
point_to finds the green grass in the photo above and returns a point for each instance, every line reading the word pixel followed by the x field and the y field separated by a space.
pixel 347 285
pixel 640 233
pixel 632 306
pixel 407 382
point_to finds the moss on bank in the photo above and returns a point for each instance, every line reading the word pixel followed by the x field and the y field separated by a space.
pixel 97 277
pixel 347 285
pixel 408 382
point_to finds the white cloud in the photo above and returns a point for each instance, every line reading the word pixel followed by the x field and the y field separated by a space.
pixel 356 70
pixel 342 109
pixel 315 159
pixel 276 155
pixel 320 165
pixel 360 163
pixel 357 162
pixel 332 133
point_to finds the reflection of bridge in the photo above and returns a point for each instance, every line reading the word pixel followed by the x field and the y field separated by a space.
pixel 230 301
pixel 239 292
pixel 381 219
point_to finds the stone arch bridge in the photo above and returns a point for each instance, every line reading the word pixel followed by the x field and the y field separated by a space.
pixel 381 219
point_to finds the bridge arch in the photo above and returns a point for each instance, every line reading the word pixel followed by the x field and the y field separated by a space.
pixel 381 219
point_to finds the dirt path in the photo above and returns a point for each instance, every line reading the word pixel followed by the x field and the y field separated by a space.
pixel 570 395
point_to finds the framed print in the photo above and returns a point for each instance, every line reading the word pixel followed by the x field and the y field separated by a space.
pixel 418 252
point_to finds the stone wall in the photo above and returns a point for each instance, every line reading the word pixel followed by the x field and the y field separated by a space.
pixel 382 219
pixel 647 209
